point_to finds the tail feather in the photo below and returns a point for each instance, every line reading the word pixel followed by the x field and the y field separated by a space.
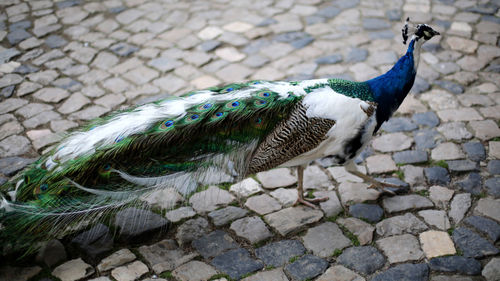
pixel 205 137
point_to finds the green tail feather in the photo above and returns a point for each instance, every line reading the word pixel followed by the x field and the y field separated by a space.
pixel 208 135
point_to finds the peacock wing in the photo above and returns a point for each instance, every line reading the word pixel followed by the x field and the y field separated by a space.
pixel 293 136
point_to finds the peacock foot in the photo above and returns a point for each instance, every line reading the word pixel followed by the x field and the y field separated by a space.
pixel 311 202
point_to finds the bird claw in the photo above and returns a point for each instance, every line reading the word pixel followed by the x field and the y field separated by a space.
pixel 310 202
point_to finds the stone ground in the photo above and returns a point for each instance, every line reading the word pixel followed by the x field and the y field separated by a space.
pixel 65 62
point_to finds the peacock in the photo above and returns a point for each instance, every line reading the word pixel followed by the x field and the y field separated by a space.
pixel 217 135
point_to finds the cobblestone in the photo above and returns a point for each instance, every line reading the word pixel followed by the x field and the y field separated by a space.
pixel 214 243
pixel 306 267
pixel 278 253
pixel 490 271
pixel 397 225
pixel 116 259
pixel 417 272
pixel 236 263
pixel 323 240
pixel 436 243
pixel 251 228
pixel 77 60
pixel 400 248
pixel 292 219
pixel 73 270
pixel 472 244
pixel 356 258
pixel 456 264
pixel 129 272
pixel 262 204
pixel 406 202
pixel 164 255
pixel 194 270
pixel 369 212
pixel 485 226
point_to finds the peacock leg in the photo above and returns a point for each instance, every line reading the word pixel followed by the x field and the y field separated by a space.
pixel 381 186
pixel 300 190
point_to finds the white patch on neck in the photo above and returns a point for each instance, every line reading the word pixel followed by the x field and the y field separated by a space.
pixel 416 50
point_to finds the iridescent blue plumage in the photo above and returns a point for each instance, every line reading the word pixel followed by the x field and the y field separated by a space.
pixel 390 89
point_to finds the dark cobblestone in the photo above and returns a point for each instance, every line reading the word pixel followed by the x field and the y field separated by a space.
pixel 394 15
pixel 356 55
pixel 331 59
pixel 413 272
pixel 437 175
pixel 410 157
pixel 450 86
pixel 236 263
pixel 475 151
pixel 398 124
pixel 10 166
pixel 366 259
pixel 25 69
pixel 462 165
pixel 456 264
pixel 329 12
pixel 123 49
pixel 278 253
pixel 493 186
pixel 214 243
pixel 55 41
pixel 471 184
pixel 473 245
pixel 306 267
pixel 420 85
pixel 17 36
pixel 369 212
pixel 484 225
pixel 428 119
pixel 494 167
pixel 94 242
pixel 425 139
pixel 149 223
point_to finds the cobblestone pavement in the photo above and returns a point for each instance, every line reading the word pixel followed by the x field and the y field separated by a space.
pixel 65 62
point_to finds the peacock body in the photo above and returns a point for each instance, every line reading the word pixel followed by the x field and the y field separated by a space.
pixel 212 136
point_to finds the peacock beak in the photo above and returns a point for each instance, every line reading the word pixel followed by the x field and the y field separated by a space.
pixel 436 33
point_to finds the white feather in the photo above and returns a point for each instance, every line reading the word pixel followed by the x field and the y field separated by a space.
pixel 416 51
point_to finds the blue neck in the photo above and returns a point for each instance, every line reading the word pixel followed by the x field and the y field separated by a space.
pixel 390 89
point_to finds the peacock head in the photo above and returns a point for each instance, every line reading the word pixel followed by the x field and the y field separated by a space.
pixel 419 31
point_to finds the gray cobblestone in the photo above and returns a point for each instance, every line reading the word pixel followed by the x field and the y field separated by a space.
pixel 77 60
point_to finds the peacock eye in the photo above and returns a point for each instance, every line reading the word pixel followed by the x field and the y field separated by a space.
pixel 208 105
pixel 169 123
pixel 235 104
pixel 44 187
pixel 218 114
pixel 229 89
pixel 194 116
